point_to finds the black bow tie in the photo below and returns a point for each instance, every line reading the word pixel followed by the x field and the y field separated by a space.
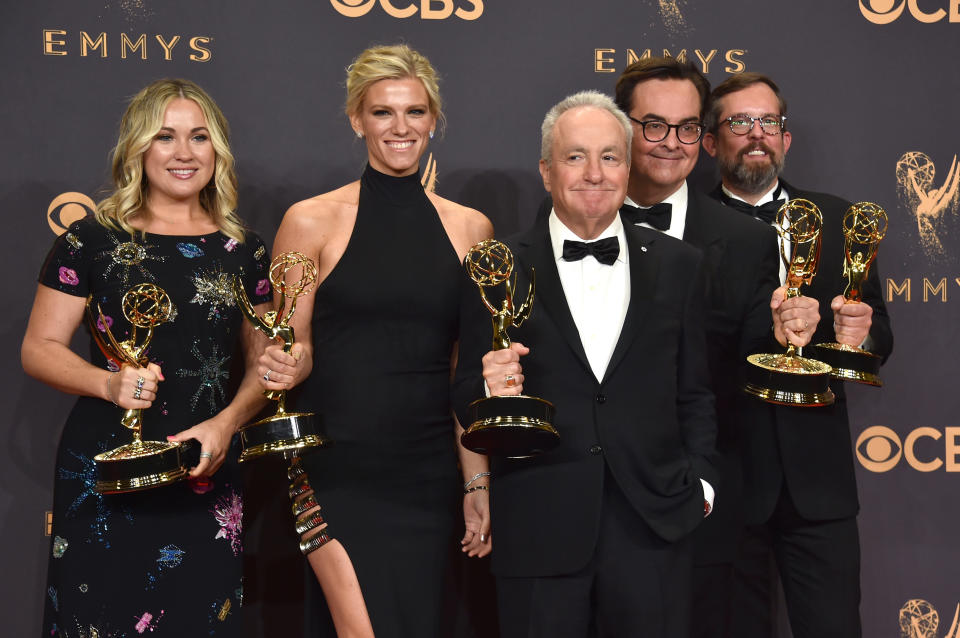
pixel 657 215
pixel 604 250
pixel 765 212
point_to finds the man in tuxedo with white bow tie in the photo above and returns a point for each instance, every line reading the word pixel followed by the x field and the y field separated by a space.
pixel 593 537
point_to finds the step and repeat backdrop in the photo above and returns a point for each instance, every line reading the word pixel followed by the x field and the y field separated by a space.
pixel 873 102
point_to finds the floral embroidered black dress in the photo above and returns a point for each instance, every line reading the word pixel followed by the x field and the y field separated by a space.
pixel 165 561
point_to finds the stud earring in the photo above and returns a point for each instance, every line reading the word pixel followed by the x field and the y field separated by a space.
pixel 360 134
pixel 431 135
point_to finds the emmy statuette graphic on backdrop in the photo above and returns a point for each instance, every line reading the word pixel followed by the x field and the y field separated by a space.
pixel 919 619
pixel 864 226
pixel 935 208
pixel 141 464
pixel 511 426
pixel 284 433
pixel 789 378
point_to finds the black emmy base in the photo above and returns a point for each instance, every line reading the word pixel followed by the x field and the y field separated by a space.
pixel 510 426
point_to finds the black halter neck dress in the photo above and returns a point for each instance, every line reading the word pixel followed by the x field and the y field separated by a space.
pixel 384 327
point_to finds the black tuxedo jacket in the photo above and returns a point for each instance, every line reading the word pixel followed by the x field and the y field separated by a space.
pixel 650 420
pixel 741 262
pixel 810 448
pixel 741 258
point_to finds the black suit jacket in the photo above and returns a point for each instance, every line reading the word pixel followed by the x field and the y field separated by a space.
pixel 650 420
pixel 810 448
pixel 741 258
pixel 741 263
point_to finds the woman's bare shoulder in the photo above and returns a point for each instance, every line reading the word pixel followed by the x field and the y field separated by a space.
pixel 326 207
pixel 309 224
pixel 468 222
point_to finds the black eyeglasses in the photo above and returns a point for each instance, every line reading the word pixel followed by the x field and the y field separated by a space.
pixel 657 131
pixel 743 124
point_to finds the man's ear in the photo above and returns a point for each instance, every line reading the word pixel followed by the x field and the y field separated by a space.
pixel 709 144
pixel 545 174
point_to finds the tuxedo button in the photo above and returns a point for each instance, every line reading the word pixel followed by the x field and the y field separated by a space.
pixel 601 398
pixel 596 449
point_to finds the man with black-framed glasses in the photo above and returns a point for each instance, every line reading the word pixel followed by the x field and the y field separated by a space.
pixel 800 494
pixel 665 100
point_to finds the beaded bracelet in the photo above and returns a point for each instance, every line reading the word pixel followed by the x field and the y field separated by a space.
pixel 476 488
pixel 475 477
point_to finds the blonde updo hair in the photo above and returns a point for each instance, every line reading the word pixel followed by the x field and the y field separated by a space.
pixel 140 124
pixel 394 62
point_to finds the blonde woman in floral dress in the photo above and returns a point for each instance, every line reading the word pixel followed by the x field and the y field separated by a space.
pixel 165 561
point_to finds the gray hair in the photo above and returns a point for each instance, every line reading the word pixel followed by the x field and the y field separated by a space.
pixel 588 99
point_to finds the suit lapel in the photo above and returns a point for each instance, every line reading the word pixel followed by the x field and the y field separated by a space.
pixel 694 231
pixel 705 232
pixel 701 229
pixel 644 266
pixel 534 250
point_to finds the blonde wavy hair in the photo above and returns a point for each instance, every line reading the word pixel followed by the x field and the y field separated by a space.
pixel 393 62
pixel 140 124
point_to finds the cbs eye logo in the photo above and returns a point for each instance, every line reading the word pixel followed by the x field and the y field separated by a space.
pixel 879 449
pixel 358 8
pixel 886 11
pixel 67 208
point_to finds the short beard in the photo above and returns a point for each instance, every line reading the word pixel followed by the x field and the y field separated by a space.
pixel 754 181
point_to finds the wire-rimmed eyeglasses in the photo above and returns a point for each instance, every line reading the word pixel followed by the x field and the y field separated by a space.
pixel 769 124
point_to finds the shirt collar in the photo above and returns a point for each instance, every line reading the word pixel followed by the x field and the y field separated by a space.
pixel 678 209
pixel 767 197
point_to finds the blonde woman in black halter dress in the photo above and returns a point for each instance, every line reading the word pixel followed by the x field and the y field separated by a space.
pixel 375 345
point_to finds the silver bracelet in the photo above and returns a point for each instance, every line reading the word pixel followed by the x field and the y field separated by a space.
pixel 475 477
pixel 476 488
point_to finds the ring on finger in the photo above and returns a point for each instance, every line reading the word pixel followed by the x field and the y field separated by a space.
pixel 206 455
pixel 509 381
pixel 266 377
pixel 140 382
pixel 136 393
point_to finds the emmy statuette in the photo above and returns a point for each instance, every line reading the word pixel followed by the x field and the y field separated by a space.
pixel 789 378
pixel 511 426
pixel 285 433
pixel 141 464
pixel 864 226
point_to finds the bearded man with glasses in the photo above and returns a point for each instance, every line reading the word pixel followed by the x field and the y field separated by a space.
pixel 799 489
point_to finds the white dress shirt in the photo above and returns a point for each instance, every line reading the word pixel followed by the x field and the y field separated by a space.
pixel 598 295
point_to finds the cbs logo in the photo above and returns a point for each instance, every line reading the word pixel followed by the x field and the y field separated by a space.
pixel 886 11
pixel 880 449
pixel 428 9
pixel 67 208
